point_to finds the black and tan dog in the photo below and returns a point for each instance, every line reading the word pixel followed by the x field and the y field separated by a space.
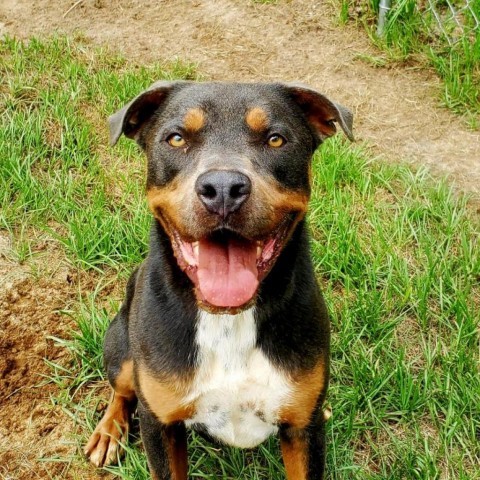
pixel 224 329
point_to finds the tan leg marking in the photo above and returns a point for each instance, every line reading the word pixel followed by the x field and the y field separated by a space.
pixel 295 457
pixel 103 446
pixel 177 455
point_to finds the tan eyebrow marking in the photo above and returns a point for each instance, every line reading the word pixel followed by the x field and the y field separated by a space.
pixel 257 119
pixel 194 119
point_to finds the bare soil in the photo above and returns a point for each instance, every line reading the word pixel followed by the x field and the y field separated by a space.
pixel 395 108
pixel 33 427
pixel 30 425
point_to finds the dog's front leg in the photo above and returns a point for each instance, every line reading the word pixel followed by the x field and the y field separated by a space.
pixel 165 445
pixel 303 450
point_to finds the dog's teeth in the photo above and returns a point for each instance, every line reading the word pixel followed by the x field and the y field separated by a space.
pixel 196 248
pixel 259 251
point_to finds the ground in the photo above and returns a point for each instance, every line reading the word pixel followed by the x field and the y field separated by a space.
pixel 396 111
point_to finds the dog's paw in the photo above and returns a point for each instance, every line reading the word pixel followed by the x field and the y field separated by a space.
pixel 104 446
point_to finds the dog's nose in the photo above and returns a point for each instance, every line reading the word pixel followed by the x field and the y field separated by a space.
pixel 223 191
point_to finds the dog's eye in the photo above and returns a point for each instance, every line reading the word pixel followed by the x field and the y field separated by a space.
pixel 176 140
pixel 276 141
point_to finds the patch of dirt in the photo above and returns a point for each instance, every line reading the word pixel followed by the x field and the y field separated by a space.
pixel 30 425
pixel 33 428
pixel 396 108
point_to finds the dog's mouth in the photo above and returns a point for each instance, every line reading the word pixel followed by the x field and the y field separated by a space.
pixel 227 268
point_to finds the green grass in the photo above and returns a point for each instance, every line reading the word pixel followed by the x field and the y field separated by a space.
pixel 55 171
pixel 412 35
pixel 396 253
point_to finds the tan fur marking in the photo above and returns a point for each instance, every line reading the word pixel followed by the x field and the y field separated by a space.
pixel 113 428
pixel 306 390
pixel 194 120
pixel 177 455
pixel 268 194
pixel 177 207
pixel 165 397
pixel 163 199
pixel 176 449
pixel 294 453
pixel 166 200
pixel 124 381
pixel 257 119
pixel 166 203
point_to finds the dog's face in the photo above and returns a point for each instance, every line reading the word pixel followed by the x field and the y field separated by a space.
pixel 228 175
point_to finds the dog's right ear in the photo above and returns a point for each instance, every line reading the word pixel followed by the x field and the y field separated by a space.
pixel 321 113
pixel 130 119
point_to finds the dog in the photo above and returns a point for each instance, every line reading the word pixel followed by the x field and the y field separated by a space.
pixel 224 329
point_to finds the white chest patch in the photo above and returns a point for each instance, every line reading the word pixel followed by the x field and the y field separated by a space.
pixel 236 390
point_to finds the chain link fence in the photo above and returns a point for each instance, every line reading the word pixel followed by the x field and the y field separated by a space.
pixel 451 20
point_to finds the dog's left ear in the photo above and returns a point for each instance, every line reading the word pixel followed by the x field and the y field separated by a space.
pixel 321 112
pixel 130 119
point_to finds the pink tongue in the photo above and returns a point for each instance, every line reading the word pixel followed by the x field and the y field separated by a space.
pixel 227 272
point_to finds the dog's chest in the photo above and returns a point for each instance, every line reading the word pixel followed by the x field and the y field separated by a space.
pixel 237 392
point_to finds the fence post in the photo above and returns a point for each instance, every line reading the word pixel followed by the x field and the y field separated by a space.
pixel 384 7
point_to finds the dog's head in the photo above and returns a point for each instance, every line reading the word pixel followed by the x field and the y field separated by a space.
pixel 228 174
